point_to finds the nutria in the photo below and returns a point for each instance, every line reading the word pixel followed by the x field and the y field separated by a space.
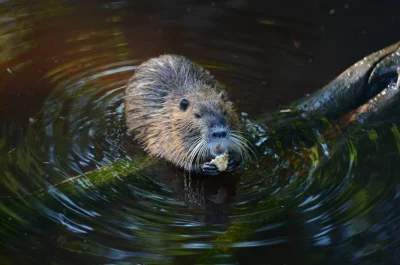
pixel 178 111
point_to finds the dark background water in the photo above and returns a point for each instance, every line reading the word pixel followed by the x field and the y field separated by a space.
pixel 63 66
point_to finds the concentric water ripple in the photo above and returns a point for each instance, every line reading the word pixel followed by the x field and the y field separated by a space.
pixel 76 190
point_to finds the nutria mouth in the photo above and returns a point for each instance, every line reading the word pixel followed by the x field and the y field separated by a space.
pixel 178 111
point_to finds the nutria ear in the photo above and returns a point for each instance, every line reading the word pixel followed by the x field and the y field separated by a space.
pixel 184 104
pixel 223 96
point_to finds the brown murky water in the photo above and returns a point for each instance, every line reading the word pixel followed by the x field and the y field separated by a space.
pixel 63 67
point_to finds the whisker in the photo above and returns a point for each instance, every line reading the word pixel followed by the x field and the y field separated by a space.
pixel 241 132
pixel 246 143
pixel 202 153
pixel 194 151
pixel 186 159
pixel 238 148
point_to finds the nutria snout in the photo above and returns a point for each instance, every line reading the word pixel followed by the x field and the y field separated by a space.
pixel 178 111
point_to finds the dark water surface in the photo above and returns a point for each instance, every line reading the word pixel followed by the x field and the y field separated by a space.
pixel 307 200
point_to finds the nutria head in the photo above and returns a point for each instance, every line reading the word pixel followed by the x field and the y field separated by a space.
pixel 178 111
pixel 205 125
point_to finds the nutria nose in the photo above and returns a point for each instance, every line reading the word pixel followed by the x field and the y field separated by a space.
pixel 219 134
pixel 219 149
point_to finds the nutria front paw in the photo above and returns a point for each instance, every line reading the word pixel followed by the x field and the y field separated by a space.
pixel 210 169
pixel 232 163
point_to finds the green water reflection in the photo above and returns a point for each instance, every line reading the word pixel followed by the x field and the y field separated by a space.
pixel 75 189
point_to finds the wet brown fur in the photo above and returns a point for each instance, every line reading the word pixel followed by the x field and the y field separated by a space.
pixel 152 111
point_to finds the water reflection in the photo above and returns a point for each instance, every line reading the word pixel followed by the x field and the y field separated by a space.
pixel 76 189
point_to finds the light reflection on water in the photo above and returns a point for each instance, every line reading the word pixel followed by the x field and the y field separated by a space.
pixel 75 189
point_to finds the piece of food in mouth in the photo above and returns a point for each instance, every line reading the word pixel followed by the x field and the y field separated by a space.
pixel 221 161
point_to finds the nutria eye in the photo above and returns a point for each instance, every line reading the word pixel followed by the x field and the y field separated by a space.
pixel 197 116
pixel 224 112
pixel 184 104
